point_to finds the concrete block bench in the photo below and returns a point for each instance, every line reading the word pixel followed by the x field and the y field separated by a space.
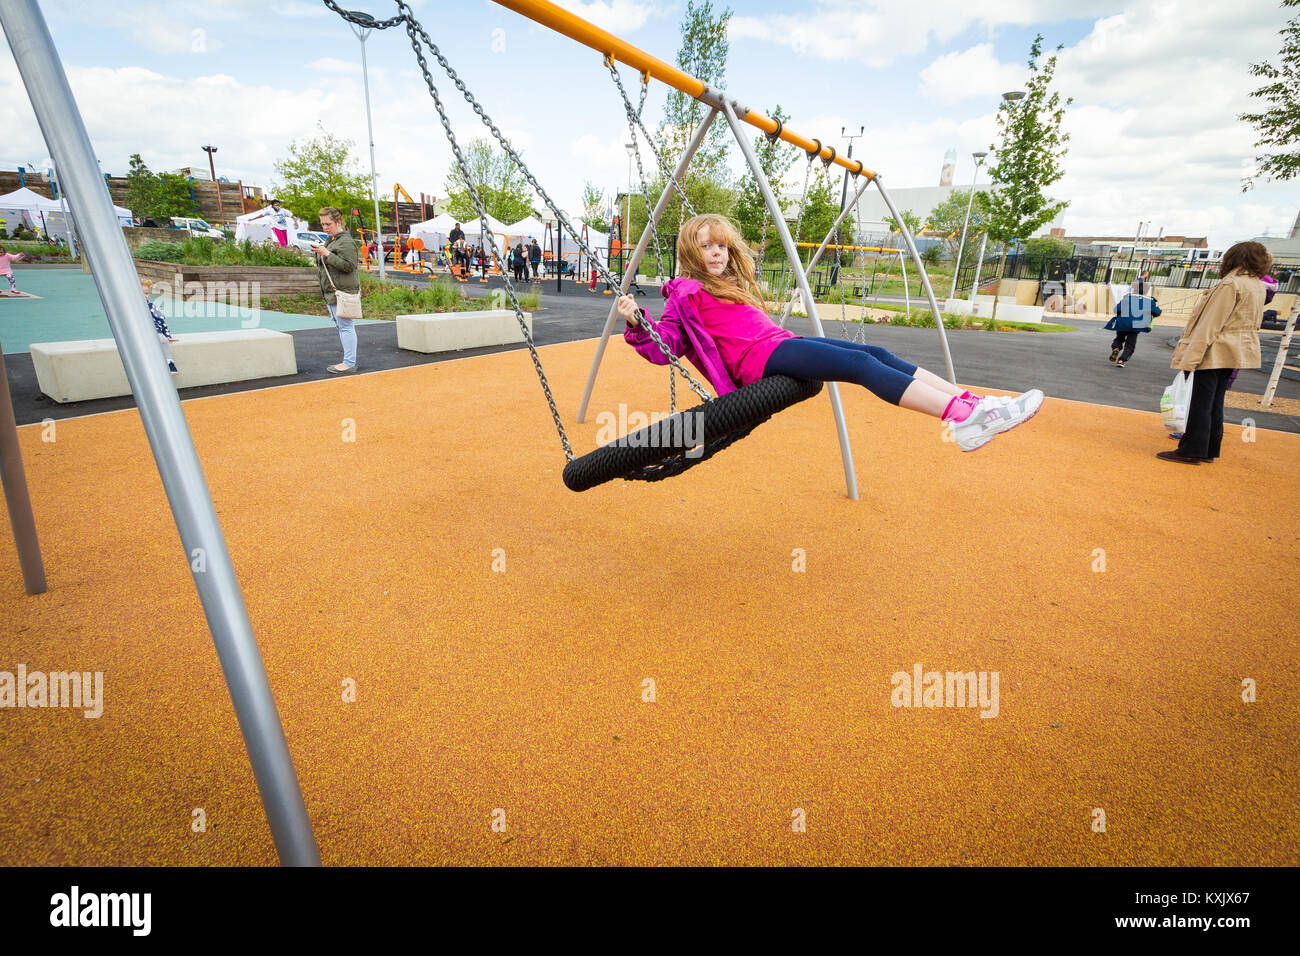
pixel 982 307
pixel 452 331
pixel 89 369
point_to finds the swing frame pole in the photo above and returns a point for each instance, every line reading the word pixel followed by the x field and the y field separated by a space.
pixel 205 551
pixel 792 254
pixel 642 244
pixel 925 278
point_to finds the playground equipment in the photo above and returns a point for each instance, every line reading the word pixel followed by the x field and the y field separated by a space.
pixel 725 419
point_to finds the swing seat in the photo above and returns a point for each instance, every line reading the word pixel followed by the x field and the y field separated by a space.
pixel 672 445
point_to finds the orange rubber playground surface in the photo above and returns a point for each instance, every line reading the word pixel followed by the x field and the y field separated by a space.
pixel 1121 601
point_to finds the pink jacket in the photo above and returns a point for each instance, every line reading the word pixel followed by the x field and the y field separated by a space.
pixel 683 332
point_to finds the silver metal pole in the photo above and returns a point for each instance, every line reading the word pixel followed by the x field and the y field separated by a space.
pixel 19 502
pixel 961 246
pixel 792 253
pixel 165 426
pixel 925 278
pixel 979 262
pixel 785 308
pixel 370 130
pixel 635 261
pixel 1283 346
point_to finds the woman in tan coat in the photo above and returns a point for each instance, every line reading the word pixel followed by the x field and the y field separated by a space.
pixel 1222 335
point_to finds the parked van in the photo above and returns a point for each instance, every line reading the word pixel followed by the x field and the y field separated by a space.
pixel 196 227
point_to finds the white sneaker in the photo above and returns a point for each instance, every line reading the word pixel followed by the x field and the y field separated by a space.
pixel 992 416
pixel 1021 407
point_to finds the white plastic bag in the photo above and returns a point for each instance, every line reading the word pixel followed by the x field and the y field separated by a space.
pixel 1174 402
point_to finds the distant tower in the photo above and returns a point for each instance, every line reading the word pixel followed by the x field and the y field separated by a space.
pixel 949 165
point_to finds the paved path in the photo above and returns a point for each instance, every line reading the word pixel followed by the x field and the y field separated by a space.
pixel 1071 365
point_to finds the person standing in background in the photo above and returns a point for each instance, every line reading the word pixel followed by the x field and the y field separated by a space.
pixel 336 261
pixel 1133 315
pixel 534 256
pixel 1221 336
pixel 281 220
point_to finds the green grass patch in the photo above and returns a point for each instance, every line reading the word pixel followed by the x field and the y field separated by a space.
pixel 924 318
pixel 36 251
pixel 206 251
pixel 384 300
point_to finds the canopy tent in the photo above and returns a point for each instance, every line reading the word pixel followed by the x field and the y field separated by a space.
pixel 433 231
pixel 597 242
pixel 26 207
pixel 527 228
pixel 260 230
pixel 42 214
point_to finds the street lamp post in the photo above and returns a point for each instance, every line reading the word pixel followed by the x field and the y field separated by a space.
pixel 212 168
pixel 362 31
pixel 961 245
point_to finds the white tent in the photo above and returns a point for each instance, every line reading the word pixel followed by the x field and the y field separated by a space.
pixel 597 242
pixel 260 230
pixel 524 229
pixel 24 206
pixel 433 231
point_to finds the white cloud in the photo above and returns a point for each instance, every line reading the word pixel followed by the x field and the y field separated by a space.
pixel 972 72
pixel 877 32
pixel 616 16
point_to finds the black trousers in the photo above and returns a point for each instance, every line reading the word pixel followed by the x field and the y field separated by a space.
pixel 1204 435
pixel 1127 341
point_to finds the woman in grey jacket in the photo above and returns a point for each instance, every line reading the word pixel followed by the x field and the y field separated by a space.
pixel 336 261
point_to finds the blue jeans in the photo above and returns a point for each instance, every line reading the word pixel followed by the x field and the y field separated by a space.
pixel 347 335
pixel 834 360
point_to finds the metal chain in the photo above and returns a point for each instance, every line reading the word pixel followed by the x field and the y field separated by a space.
pixel 633 121
pixel 636 117
pixel 413 27
pixel 363 19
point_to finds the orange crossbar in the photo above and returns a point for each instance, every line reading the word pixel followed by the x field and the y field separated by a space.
pixel 605 43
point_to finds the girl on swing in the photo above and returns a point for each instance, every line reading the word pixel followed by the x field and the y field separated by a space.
pixel 714 317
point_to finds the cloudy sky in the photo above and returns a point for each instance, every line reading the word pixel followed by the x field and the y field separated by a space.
pixel 1157 87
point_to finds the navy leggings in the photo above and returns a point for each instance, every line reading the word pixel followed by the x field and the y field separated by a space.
pixel 834 360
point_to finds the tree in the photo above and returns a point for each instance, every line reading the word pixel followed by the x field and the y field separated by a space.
pixel 321 172
pixel 594 206
pixel 1279 126
pixel 175 198
pixel 501 187
pixel 702 54
pixel 820 209
pixel 775 159
pixel 141 189
pixel 1029 159
pixel 949 216
pixel 157 196
pixel 910 219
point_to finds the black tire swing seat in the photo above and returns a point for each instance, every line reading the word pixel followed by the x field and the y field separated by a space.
pixel 672 445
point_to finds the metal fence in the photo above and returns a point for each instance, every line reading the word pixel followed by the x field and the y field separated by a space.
pixel 1120 270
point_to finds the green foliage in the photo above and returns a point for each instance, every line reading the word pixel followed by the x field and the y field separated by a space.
pixel 37 249
pixel 820 209
pixel 702 54
pixel 157 196
pixel 775 159
pixel 321 172
pixel 1044 247
pixel 1030 157
pixel 910 219
pixel 386 299
pixel 932 255
pixel 501 186
pixel 593 204
pixel 205 251
pixel 948 217
pixel 1278 125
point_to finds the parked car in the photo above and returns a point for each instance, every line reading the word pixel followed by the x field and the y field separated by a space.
pixel 304 239
pixel 196 227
